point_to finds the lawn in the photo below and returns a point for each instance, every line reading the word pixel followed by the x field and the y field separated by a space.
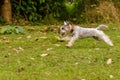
pixel 38 55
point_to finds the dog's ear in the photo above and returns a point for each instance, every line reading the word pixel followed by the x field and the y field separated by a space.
pixel 66 23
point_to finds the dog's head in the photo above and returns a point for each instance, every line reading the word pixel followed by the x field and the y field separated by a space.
pixel 65 29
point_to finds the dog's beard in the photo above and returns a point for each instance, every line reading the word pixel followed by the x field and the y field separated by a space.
pixel 63 32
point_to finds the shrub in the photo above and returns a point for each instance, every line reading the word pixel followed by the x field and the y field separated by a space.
pixel 104 12
pixel 12 30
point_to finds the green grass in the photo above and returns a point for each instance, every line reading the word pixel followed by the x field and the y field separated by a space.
pixel 86 60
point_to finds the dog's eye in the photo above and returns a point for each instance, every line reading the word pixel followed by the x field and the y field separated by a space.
pixel 62 28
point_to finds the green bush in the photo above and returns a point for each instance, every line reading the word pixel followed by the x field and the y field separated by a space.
pixel 12 30
pixel 36 10
pixel 78 11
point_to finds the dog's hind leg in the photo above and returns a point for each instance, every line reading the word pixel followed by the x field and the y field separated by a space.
pixel 105 38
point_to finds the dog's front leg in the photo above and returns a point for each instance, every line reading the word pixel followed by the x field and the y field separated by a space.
pixel 72 40
pixel 67 38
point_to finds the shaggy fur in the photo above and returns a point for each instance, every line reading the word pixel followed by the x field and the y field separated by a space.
pixel 76 32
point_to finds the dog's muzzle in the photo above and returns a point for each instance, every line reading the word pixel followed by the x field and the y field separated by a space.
pixel 62 32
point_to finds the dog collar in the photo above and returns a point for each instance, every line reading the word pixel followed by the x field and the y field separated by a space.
pixel 72 28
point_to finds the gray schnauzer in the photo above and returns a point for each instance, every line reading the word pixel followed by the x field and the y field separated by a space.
pixel 76 32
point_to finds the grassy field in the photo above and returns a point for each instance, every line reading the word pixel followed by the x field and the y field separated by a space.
pixel 38 55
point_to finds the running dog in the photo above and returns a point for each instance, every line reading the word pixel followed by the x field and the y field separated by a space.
pixel 77 32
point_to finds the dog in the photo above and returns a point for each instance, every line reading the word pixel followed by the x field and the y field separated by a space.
pixel 76 32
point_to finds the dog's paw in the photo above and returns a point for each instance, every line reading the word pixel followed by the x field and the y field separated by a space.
pixel 68 45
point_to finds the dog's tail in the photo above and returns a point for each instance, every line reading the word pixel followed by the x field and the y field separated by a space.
pixel 102 27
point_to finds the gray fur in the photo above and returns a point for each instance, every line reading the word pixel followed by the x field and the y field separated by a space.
pixel 80 32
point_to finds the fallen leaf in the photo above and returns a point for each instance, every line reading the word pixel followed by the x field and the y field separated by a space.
pixel 83 79
pixel 5 38
pixel 109 61
pixel 0 41
pixel 19 38
pixel 16 50
pixel 111 76
pixel 7 41
pixel 43 55
pixel 76 63
pixel 28 37
pixel 20 48
pixel 32 58
pixel 48 49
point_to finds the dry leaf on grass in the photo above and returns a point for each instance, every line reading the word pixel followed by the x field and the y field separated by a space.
pixel 83 79
pixel 20 48
pixel 19 38
pixel 32 58
pixel 7 41
pixel 109 61
pixel 111 76
pixel 76 63
pixel 5 38
pixel 17 50
pixel 44 54
pixel 48 49
pixel 0 41
pixel 28 37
